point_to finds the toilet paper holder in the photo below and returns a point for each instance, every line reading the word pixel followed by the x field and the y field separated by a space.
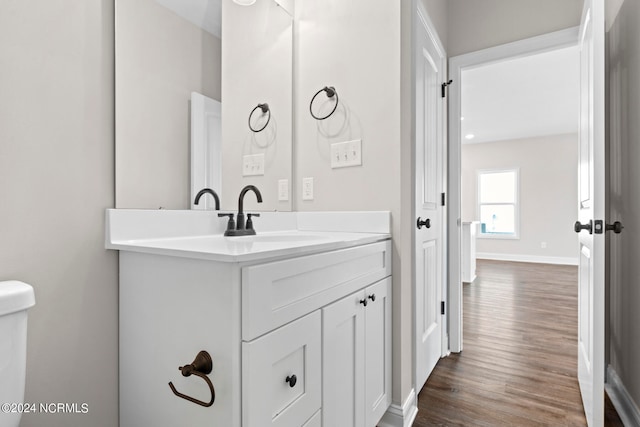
pixel 200 367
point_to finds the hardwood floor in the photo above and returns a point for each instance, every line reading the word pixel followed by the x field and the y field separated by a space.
pixel 519 362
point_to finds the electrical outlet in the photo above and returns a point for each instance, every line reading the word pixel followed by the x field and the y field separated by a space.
pixel 283 190
pixel 346 154
pixel 307 188
pixel 543 245
pixel 253 164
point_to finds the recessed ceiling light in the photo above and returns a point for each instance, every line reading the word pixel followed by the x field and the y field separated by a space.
pixel 469 136
pixel 244 2
pixel 461 118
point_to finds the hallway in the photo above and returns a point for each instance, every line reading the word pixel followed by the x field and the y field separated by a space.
pixel 519 362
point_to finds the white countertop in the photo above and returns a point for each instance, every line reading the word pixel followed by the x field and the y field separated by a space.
pixel 249 248
pixel 189 234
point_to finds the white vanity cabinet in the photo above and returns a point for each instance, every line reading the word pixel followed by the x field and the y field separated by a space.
pixel 356 352
pixel 287 335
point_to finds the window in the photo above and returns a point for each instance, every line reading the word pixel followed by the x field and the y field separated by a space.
pixel 498 203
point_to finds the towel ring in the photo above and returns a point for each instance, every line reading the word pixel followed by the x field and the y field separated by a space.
pixel 265 109
pixel 331 92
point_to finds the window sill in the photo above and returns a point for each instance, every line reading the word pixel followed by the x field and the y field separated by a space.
pixel 498 236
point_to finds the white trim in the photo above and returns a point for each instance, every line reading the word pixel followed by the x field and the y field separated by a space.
pixel 528 258
pixel 457 64
pixel 504 236
pixel 401 416
pixel 518 49
pixel 623 402
pixel 424 19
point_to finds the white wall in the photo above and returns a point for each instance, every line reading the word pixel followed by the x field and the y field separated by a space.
pixel 56 179
pixel 355 47
pixel 548 195
pixel 624 196
pixel 475 25
pixel 161 59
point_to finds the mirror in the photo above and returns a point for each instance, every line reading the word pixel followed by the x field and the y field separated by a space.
pixel 260 35
pixel 168 51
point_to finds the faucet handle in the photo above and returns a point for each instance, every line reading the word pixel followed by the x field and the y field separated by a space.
pixel 231 224
pixel 249 225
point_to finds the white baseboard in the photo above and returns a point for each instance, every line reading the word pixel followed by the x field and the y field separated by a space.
pixel 401 416
pixel 528 258
pixel 621 399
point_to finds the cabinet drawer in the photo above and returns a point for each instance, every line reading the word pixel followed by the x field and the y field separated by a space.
pixel 270 397
pixel 278 292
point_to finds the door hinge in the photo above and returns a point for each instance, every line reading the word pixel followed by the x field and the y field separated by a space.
pixel 442 307
pixel 444 87
pixel 442 199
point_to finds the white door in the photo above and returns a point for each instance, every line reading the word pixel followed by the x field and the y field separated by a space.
pixel 343 341
pixel 429 212
pixel 206 148
pixel 377 353
pixel 591 210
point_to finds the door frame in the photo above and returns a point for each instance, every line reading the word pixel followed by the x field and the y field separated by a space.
pixel 457 64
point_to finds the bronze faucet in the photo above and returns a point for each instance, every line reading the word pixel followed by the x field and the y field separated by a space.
pixel 239 227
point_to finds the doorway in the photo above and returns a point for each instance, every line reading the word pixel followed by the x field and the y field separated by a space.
pixel 458 66
pixel 519 159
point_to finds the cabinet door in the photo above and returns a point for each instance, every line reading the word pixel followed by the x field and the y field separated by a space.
pixel 342 362
pixel 270 394
pixel 315 421
pixel 377 353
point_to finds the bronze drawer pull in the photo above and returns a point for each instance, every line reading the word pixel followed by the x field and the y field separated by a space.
pixel 292 380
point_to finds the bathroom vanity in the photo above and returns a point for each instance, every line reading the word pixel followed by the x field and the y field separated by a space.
pixel 297 319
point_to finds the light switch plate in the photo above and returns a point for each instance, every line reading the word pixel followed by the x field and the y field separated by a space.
pixel 283 190
pixel 253 164
pixel 307 188
pixel 346 154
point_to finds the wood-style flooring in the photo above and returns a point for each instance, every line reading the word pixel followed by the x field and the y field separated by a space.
pixel 519 362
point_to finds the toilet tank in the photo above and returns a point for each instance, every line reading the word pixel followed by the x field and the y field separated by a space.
pixel 15 298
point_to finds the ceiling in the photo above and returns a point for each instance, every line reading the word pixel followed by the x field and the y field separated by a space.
pixel 525 97
pixel 206 14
